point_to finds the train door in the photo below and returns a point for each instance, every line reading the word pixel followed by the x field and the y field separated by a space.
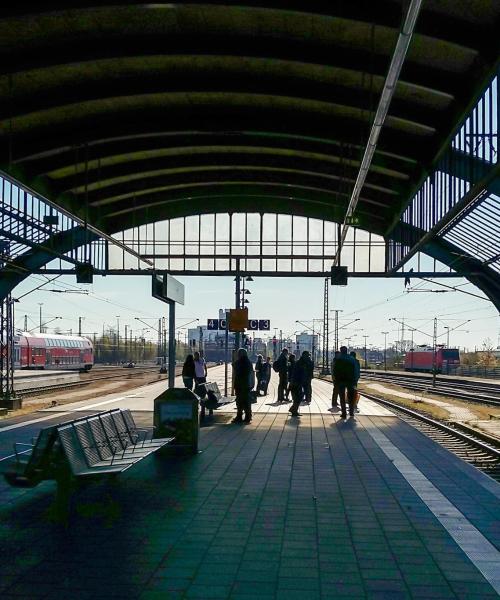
pixel 17 357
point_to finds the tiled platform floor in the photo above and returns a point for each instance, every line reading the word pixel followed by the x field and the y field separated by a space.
pixel 280 509
pixel 321 398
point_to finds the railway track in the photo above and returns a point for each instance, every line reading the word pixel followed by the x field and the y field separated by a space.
pixel 98 375
pixel 479 450
pixel 89 379
pixel 468 391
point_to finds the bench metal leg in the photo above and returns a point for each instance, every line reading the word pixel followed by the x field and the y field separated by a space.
pixel 66 486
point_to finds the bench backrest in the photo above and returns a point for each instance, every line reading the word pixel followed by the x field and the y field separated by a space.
pixel 72 448
pixel 130 423
pixel 89 444
pixel 88 441
pixel 213 387
pixel 126 433
pixel 104 447
pixel 117 439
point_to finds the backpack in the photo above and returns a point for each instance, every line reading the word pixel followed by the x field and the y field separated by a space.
pixel 211 400
pixel 276 366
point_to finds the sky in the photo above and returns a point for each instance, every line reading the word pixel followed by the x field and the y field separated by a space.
pixel 282 300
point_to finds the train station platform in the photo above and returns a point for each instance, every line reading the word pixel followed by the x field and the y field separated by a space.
pixel 282 508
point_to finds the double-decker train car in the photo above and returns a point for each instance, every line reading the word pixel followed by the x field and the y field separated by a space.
pixel 423 360
pixel 46 351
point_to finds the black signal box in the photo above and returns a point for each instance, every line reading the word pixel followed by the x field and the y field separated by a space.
pixel 339 276
pixel 84 273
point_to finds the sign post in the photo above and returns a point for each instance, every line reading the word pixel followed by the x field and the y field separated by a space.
pixel 168 289
pixel 226 353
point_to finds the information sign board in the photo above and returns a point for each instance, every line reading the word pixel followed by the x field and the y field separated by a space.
pixel 173 289
pixel 238 319
pixel 167 288
pixel 213 324
pixel 252 324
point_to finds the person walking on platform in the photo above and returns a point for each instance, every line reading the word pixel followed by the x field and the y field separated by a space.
pixel 299 376
pixel 308 375
pixel 244 381
pixel 344 373
pixel 281 367
pixel 188 372
pixel 200 375
pixel 291 366
pixel 335 393
pixel 266 375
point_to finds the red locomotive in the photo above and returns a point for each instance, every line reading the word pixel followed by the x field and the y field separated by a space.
pixel 423 360
pixel 46 351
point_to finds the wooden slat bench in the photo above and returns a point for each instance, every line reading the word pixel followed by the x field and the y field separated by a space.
pixel 104 444
pixel 213 400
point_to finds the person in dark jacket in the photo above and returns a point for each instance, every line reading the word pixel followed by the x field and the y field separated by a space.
pixel 299 377
pixel 335 392
pixel 281 367
pixel 291 366
pixel 266 375
pixel 308 375
pixel 259 372
pixel 357 374
pixel 188 372
pixel 357 368
pixel 344 373
pixel 243 384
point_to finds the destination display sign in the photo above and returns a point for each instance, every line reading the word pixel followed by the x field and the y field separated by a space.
pixel 252 324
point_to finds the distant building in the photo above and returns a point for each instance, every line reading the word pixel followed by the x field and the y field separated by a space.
pixel 307 341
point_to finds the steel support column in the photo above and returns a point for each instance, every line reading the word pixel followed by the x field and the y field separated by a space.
pixel 325 369
pixel 7 395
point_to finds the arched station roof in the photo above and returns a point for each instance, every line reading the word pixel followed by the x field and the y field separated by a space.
pixel 131 112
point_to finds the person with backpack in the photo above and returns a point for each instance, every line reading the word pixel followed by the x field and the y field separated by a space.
pixel 335 393
pixel 357 374
pixel 188 372
pixel 244 382
pixel 345 375
pixel 308 375
pixel 299 378
pixel 266 375
pixel 281 367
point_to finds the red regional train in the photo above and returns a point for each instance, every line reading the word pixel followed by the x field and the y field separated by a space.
pixel 46 351
pixel 423 358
